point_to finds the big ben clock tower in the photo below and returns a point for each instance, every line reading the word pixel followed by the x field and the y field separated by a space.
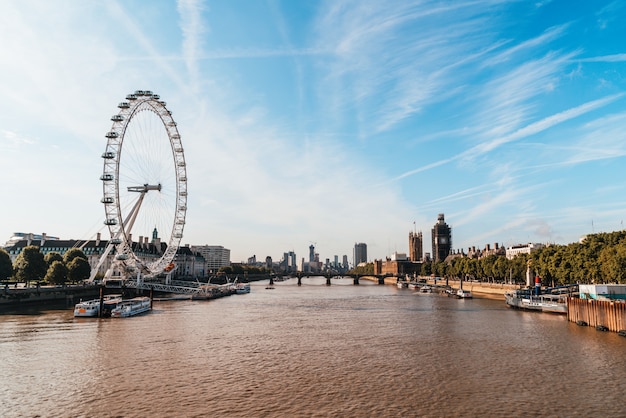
pixel 442 239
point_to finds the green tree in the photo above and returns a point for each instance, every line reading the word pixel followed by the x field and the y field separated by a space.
pixel 30 265
pixel 78 269
pixel 501 267
pixel 366 269
pixel 226 269
pixel 71 254
pixel 51 257
pixel 613 263
pixel 518 267
pixel 6 267
pixel 471 269
pixel 57 273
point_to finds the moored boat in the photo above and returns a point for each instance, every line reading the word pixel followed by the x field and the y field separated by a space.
pixel 91 308
pixel 132 307
pixel 463 294
pixel 544 302
pixel 242 288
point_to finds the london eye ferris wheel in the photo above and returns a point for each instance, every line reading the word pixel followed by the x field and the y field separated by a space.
pixel 144 183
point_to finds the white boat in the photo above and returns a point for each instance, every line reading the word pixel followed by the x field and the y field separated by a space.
pixel 402 284
pixel 91 308
pixel 526 299
pixel 242 288
pixel 426 289
pixel 413 285
pixel 463 294
pixel 132 307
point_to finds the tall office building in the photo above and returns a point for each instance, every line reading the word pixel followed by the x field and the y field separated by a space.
pixel 416 246
pixel 442 239
pixel 311 253
pixel 360 253
pixel 215 256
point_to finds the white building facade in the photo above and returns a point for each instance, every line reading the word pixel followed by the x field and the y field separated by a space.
pixel 516 250
pixel 215 256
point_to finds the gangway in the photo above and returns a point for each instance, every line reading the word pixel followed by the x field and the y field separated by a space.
pixel 189 289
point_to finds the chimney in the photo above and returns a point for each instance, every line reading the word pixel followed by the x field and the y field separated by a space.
pixel 98 239
pixel 140 241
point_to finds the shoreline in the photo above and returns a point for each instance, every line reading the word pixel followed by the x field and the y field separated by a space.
pixel 480 290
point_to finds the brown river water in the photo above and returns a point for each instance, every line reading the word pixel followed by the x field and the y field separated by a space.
pixel 311 351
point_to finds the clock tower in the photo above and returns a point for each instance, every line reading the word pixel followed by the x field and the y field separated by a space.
pixel 441 239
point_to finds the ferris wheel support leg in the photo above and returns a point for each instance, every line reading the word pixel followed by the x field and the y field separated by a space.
pixel 103 257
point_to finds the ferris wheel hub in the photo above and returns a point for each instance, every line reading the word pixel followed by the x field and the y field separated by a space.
pixel 145 188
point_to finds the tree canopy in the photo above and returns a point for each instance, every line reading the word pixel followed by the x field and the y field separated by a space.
pixel 57 273
pixel 72 253
pixel 6 266
pixel 51 257
pixel 78 269
pixel 30 264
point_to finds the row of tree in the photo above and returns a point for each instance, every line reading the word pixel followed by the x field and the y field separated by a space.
pixel 54 268
pixel 598 258
pixel 243 269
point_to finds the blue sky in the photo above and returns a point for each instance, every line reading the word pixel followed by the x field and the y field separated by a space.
pixel 326 122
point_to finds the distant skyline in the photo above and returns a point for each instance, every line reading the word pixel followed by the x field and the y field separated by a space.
pixel 326 122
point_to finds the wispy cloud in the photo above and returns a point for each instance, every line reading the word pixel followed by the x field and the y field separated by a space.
pixel 540 125
pixel 524 132
pixel 147 45
pixel 604 58
pixel 546 37
pixel 12 139
pixel 375 69
pixel 192 27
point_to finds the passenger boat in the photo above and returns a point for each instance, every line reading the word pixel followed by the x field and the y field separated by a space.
pixel 426 289
pixel 132 307
pixel 91 308
pixel 544 302
pixel 242 288
pixel 463 294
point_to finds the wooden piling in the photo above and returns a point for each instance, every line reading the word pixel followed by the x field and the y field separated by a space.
pixel 610 314
pixel 101 302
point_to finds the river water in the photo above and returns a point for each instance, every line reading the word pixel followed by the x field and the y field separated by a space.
pixel 311 351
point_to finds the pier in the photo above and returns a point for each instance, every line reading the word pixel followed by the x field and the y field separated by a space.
pixel 34 296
